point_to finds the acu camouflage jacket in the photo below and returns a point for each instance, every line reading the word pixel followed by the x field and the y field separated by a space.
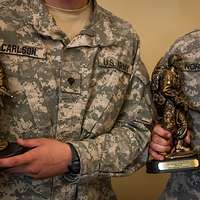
pixel 186 185
pixel 92 92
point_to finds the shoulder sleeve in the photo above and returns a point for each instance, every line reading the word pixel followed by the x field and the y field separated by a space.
pixel 184 45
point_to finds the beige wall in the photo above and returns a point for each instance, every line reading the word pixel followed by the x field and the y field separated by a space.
pixel 158 24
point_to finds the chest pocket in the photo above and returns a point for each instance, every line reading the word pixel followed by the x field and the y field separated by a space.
pixel 28 109
pixel 110 82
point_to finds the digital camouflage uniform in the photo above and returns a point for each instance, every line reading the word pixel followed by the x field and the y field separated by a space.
pixel 186 185
pixel 92 92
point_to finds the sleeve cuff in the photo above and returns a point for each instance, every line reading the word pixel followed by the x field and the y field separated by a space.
pixel 73 173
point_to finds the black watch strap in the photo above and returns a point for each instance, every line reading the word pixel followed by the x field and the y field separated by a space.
pixel 74 168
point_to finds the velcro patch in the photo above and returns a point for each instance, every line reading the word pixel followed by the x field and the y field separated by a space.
pixel 111 62
pixel 191 67
pixel 23 50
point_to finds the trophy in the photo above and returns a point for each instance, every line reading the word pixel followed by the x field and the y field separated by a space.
pixel 7 149
pixel 172 107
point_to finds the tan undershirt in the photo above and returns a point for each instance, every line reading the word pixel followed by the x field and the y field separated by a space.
pixel 71 22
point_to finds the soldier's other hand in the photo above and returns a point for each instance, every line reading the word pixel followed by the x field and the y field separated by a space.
pixel 187 138
pixel 47 158
pixel 161 142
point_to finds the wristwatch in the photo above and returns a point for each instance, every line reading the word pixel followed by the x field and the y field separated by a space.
pixel 74 167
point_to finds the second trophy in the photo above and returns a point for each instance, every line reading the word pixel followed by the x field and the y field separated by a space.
pixel 172 107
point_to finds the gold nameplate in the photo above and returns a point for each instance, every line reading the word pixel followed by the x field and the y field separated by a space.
pixel 179 164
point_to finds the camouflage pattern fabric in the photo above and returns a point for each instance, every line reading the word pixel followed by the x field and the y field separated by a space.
pixel 92 92
pixel 185 185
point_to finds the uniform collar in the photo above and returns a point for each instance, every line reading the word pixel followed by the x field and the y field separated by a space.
pixel 43 22
pixel 98 33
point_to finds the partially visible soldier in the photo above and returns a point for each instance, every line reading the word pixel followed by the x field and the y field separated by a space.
pixel 81 99
pixel 183 185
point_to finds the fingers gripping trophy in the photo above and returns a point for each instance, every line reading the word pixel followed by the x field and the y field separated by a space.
pixel 7 148
pixel 172 107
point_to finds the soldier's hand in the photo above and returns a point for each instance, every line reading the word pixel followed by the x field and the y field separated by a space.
pixel 161 142
pixel 47 158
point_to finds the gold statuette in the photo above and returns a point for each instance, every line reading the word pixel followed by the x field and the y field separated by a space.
pixel 172 107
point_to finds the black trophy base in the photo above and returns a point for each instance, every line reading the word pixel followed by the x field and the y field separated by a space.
pixel 12 149
pixel 175 164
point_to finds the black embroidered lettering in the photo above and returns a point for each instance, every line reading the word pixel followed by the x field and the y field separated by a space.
pixel 111 63
pixel 3 47
pixel 186 67
pixel 34 51
pixel 105 62
pixel 126 68
pixel 122 67
pixel 14 48
pixel 28 50
pixel 192 67
pixel 119 64
pixel 19 50
pixel 24 50
pixel 9 49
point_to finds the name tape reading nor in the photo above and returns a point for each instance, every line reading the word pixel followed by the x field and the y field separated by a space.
pixel 192 67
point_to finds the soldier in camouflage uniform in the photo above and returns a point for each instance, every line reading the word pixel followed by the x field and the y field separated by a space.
pixel 88 97
pixel 183 185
